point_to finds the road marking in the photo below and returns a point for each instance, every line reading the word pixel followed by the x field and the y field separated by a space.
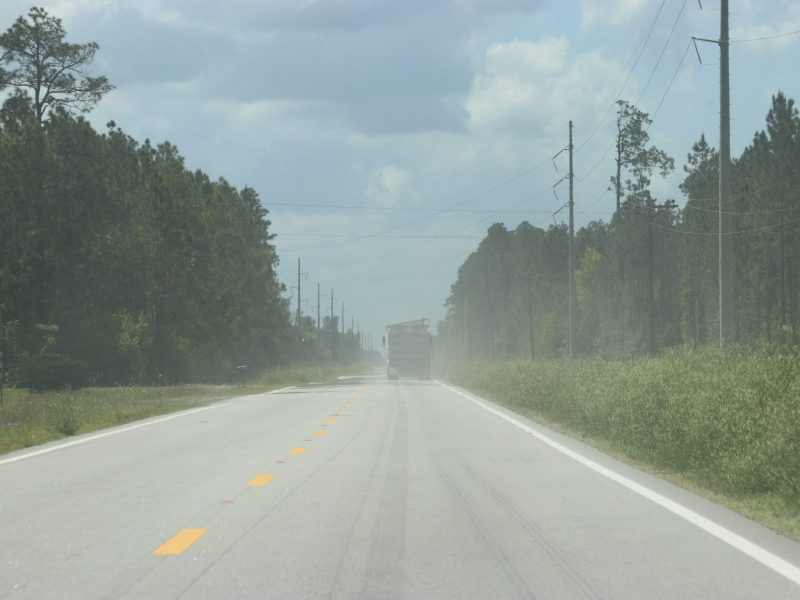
pixel 91 438
pixel 286 389
pixel 754 551
pixel 296 451
pixel 318 432
pixel 262 479
pixel 179 542
pixel 331 420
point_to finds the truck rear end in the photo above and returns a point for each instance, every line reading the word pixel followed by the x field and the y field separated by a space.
pixel 408 347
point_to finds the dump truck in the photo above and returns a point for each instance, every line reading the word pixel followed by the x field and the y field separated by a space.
pixel 408 350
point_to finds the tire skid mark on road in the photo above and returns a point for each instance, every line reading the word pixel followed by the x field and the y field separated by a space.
pixel 258 481
pixel 758 553
pixel 387 544
pixel 544 542
pixel 360 512
pixel 272 509
pixel 513 576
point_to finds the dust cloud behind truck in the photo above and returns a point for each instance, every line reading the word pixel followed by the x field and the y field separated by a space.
pixel 408 350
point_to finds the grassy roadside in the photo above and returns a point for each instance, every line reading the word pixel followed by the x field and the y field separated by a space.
pixel 725 425
pixel 28 418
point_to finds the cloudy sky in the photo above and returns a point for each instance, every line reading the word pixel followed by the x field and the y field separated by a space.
pixel 386 136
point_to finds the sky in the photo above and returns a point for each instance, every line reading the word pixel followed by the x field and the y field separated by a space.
pixel 386 136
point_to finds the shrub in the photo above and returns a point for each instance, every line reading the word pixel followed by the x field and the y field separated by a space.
pixel 52 371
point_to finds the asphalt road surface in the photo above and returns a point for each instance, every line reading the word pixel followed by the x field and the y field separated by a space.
pixel 366 489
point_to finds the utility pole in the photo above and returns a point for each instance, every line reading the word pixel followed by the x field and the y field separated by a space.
pixel 319 331
pixel 333 329
pixel 726 330
pixel 726 333
pixel 572 298
pixel 2 351
pixel 342 317
pixel 299 334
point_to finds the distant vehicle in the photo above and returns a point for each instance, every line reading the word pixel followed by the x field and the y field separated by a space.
pixel 408 350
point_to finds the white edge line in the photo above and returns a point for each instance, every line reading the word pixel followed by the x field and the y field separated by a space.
pixel 754 551
pixel 285 389
pixel 91 438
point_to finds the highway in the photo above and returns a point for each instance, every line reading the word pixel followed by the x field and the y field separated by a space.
pixel 364 489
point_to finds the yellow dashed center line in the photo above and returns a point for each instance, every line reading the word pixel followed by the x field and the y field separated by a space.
pixel 262 479
pixel 184 539
pixel 180 542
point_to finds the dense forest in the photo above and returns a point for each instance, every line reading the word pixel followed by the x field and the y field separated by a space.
pixel 647 279
pixel 117 263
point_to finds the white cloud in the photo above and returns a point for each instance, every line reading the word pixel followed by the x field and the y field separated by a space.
pixel 599 13
pixel 757 22
pixel 527 87
pixel 387 185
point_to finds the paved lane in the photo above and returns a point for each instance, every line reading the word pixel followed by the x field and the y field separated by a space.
pixel 366 489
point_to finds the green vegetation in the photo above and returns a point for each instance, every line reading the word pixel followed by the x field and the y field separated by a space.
pixel 647 279
pixel 118 264
pixel 727 423
pixel 28 418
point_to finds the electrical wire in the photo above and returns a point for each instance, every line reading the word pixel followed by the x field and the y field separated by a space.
pixel 663 50
pixel 399 208
pixel 355 236
pixel 597 164
pixel 630 73
pixel 768 37
pixel 440 211
pixel 428 242
pixel 717 234
pixel 671 81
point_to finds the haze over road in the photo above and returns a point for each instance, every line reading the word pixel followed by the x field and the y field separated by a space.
pixel 365 489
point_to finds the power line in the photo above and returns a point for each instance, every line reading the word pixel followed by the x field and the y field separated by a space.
pixel 729 233
pixel 428 242
pixel 405 273
pixel 663 50
pixel 597 164
pixel 768 37
pixel 630 73
pixel 400 208
pixel 440 211
pixel 356 236
pixel 671 81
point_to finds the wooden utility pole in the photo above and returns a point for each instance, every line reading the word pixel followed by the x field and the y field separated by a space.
pixel 726 331
pixel 333 329
pixel 2 357
pixel 319 330
pixel 572 302
pixel 299 329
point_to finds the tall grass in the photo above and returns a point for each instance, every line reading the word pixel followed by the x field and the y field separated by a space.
pixel 729 420
pixel 28 418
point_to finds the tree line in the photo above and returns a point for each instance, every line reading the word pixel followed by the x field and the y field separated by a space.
pixel 648 278
pixel 118 264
